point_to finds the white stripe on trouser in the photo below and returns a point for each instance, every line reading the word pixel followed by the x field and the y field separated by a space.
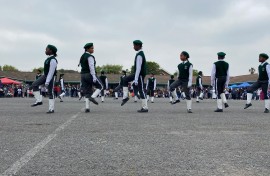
pixel 116 95
pixel 216 88
pixel 144 101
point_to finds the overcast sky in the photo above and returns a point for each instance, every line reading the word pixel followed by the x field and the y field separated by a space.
pixel 241 28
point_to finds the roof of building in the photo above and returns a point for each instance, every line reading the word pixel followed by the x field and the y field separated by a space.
pixel 114 78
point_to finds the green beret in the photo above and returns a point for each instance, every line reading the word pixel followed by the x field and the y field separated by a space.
pixel 222 54
pixel 88 45
pixel 264 55
pixel 185 54
pixel 53 48
pixel 137 42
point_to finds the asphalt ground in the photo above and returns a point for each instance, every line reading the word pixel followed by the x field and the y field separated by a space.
pixel 114 140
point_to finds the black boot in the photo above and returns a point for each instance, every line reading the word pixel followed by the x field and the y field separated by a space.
pixel 87 110
pixel 226 105
pixel 124 101
pixel 143 110
pixel 266 110
pixel 219 110
pixel 189 111
pixel 247 106
pixel 50 112
pixel 37 104
pixel 175 102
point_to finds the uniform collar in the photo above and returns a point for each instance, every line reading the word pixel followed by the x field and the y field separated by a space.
pixel 185 61
pixel 263 63
pixel 50 56
pixel 87 52
pixel 139 51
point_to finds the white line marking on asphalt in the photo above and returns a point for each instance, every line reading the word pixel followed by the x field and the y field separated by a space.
pixel 15 167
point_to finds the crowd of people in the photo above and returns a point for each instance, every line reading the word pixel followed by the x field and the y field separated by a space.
pixel 73 91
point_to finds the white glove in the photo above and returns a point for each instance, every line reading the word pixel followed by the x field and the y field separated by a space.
pixel 46 85
pixel 136 82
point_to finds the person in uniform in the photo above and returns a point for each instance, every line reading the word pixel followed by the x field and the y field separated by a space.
pixel 48 78
pixel 124 73
pixel 185 70
pixel 151 87
pixel 172 94
pixel 104 81
pixel 263 82
pixel 88 76
pixel 220 78
pixel 199 87
pixel 62 86
pixel 137 76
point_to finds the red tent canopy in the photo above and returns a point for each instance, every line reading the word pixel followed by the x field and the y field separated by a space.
pixel 9 81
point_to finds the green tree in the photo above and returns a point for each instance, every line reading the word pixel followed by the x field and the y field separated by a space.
pixel 36 69
pixel 66 71
pixel 109 69
pixel 152 67
pixel 195 72
pixel 0 68
pixel 9 68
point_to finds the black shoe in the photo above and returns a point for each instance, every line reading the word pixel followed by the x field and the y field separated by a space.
pixel 247 106
pixel 50 112
pixel 80 98
pixel 152 102
pixel 218 110
pixel 124 101
pixel 61 100
pixel 135 101
pixel 102 101
pixel 226 105
pixel 87 110
pixel 183 98
pixel 198 101
pixel 93 100
pixel 266 110
pixel 116 98
pixel 175 102
pixel 142 110
pixel 37 104
pixel 200 98
pixel 189 111
pixel 171 102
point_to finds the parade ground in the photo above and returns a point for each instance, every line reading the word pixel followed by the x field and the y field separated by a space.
pixel 114 140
